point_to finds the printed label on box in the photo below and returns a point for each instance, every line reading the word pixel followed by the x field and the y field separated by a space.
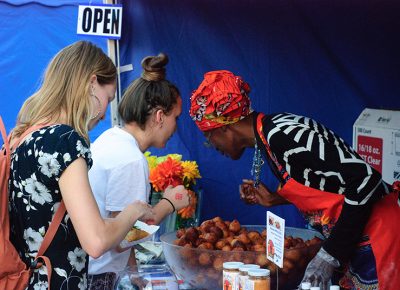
pixel 370 149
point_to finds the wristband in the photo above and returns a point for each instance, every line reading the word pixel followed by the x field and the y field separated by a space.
pixel 173 207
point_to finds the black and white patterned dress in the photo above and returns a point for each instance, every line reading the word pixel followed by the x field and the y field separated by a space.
pixel 36 167
pixel 316 157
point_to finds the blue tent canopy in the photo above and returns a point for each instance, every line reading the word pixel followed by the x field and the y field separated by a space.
pixel 324 59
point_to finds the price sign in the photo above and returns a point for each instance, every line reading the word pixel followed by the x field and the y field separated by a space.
pixel 275 238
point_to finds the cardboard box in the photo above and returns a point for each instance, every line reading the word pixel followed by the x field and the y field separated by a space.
pixel 376 137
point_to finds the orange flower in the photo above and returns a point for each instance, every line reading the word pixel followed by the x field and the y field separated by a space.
pixel 188 212
pixel 169 172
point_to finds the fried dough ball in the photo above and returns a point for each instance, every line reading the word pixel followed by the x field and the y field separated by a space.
pixel 218 263
pixel 217 231
pixel 227 248
pixel 222 226
pixel 217 219
pixel 262 260
pixel 253 235
pixel 181 241
pixel 186 251
pixel 180 233
pixel 206 245
pixel 244 238
pixel 258 248
pixel 192 234
pixel 234 226
pixel 235 243
pixel 204 259
pixel 264 233
pixel 206 225
pixel 221 243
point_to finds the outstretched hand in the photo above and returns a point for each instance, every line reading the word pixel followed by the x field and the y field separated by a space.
pixel 178 195
pixel 259 195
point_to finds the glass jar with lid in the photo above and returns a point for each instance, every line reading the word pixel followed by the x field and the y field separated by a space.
pixel 243 275
pixel 258 279
pixel 230 275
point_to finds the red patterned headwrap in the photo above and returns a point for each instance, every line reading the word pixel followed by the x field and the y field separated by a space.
pixel 221 99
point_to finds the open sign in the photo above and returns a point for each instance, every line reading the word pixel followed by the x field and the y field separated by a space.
pixel 100 20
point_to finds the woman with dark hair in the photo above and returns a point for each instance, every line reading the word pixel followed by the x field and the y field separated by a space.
pixel 335 189
pixel 149 109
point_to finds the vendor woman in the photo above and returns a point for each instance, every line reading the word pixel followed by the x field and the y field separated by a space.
pixel 320 174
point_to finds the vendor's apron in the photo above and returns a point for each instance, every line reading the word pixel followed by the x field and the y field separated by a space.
pixel 325 208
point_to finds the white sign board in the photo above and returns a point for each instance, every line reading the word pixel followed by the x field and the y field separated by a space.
pixel 100 20
pixel 275 238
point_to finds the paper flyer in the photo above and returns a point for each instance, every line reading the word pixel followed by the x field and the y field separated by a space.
pixel 275 238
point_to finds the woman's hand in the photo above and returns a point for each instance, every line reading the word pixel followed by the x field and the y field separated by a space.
pixel 259 195
pixel 143 210
pixel 178 195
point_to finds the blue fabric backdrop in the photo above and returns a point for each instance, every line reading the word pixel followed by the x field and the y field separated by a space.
pixel 324 59
pixel 31 33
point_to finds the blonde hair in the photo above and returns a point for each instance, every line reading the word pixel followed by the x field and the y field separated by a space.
pixel 66 88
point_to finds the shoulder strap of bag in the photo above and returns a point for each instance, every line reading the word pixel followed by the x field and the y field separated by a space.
pixel 48 238
pixel 55 223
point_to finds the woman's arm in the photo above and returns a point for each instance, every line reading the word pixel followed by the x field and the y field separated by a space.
pixel 96 235
pixel 179 198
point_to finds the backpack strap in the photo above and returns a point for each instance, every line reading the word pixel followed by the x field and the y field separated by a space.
pixel 23 135
pixel 55 223
pixel 48 238
pixel 6 146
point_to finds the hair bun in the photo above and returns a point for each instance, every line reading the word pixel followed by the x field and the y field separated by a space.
pixel 154 67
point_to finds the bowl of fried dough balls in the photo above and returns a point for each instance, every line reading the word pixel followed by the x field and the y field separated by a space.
pixel 196 254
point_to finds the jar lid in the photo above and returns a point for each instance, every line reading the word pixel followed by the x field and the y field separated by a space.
pixel 258 272
pixel 315 288
pixel 232 265
pixel 334 287
pixel 246 267
pixel 305 285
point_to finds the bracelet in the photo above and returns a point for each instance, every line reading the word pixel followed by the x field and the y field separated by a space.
pixel 173 207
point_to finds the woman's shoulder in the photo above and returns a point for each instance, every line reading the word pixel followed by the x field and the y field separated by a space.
pixel 59 133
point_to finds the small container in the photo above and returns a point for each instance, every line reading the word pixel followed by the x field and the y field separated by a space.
pixel 243 275
pixel 258 279
pixel 305 286
pixel 334 287
pixel 230 275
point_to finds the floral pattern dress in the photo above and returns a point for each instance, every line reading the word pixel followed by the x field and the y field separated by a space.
pixel 36 167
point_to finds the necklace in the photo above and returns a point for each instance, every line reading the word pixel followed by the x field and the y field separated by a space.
pixel 257 163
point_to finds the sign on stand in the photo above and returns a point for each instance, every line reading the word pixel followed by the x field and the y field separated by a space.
pixel 100 20
pixel 275 238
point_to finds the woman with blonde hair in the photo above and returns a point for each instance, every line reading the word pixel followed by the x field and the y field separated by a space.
pixel 49 168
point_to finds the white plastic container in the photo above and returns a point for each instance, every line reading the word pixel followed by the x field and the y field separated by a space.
pixel 243 275
pixel 305 286
pixel 230 275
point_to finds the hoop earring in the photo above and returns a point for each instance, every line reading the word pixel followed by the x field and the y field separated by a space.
pixel 98 103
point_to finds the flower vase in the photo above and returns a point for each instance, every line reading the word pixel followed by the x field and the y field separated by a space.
pixel 169 222
pixel 194 220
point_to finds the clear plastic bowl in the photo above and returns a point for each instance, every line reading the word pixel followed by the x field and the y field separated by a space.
pixel 202 268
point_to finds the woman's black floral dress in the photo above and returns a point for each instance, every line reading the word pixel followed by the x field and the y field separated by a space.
pixel 36 167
